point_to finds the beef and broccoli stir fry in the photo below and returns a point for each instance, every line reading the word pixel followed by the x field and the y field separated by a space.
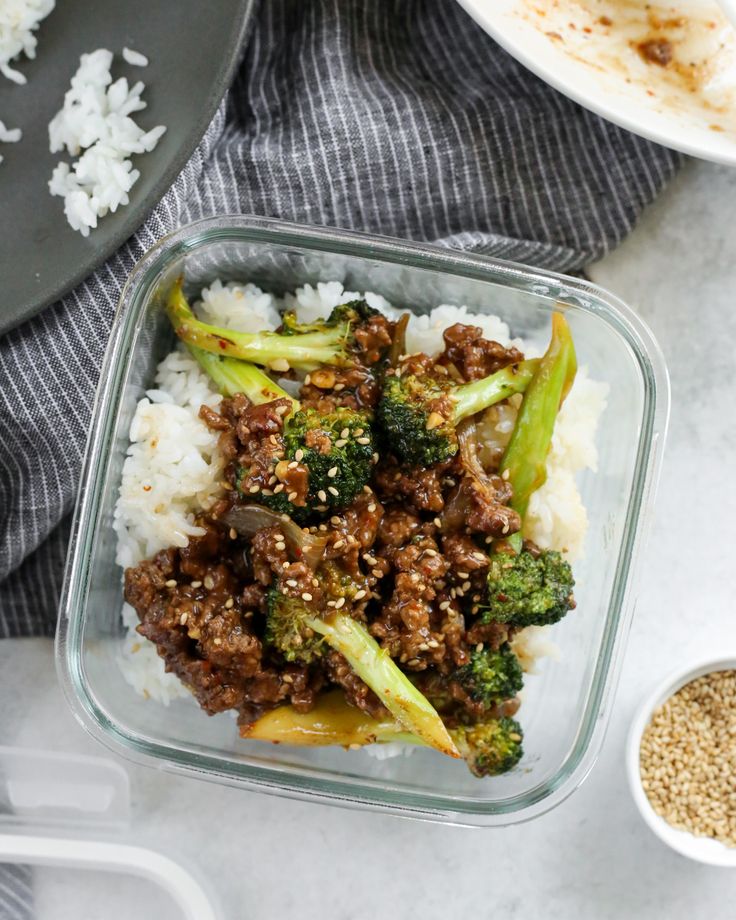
pixel 363 575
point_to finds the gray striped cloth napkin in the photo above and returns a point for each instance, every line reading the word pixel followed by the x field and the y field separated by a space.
pixel 16 893
pixel 400 117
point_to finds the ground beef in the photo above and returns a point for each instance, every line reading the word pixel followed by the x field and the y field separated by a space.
pixel 474 356
pixel 420 489
pixel 373 338
pixel 331 388
pixel 398 527
pixel 193 607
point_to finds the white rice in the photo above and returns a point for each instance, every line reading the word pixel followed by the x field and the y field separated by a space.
pixel 173 467
pixel 134 58
pixel 95 125
pixel 9 135
pixel 19 19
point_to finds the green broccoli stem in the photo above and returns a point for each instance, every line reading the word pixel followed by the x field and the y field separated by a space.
pixel 480 394
pixel 524 463
pixel 231 376
pixel 376 668
pixel 280 352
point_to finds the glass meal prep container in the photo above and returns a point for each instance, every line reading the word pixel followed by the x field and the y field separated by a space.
pixel 566 706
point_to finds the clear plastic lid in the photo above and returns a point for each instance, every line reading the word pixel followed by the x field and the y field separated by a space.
pixel 67 849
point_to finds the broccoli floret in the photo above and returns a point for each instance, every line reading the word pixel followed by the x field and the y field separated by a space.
pixel 296 629
pixel 330 342
pixel 526 589
pixel 354 312
pixel 289 629
pixel 491 676
pixel 335 448
pixel 490 748
pixel 419 415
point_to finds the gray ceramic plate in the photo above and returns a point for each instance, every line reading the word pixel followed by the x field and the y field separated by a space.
pixel 192 47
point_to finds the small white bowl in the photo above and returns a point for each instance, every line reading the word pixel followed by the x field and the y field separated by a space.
pixel 703 849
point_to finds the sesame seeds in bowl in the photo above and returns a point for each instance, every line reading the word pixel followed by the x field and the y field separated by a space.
pixel 681 761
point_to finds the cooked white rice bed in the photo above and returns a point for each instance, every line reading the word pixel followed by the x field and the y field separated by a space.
pixel 174 454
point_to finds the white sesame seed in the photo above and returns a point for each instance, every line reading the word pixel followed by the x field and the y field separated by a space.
pixel 363 441
pixel 233 534
pixel 209 582
pixel 196 584
pixel 335 520
pixel 253 489
pixel 345 433
pixel 171 583
pixel 299 454
pixel 280 546
pixel 332 472
pixel 341 442
pixel 372 507
pixel 229 603
pixel 437 522
pixel 217 640
pixel 338 543
pixel 292 496
pixel 292 582
pixel 278 488
pixel 462 575
pixel 479 647
pixel 331 603
pixel 340 602
pixel 444 605
pixel 376 457
pixel 322 495
pixel 306 596
pixel 359 595
pixel 183 619
pixel 377 573
pixel 332 490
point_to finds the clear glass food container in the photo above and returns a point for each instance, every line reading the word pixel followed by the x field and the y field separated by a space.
pixel 566 706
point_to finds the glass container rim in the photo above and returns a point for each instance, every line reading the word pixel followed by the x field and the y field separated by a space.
pixel 585 296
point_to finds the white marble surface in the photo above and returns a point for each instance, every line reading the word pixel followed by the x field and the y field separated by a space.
pixel 592 857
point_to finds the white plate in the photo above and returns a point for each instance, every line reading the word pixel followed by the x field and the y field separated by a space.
pixel 590 50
